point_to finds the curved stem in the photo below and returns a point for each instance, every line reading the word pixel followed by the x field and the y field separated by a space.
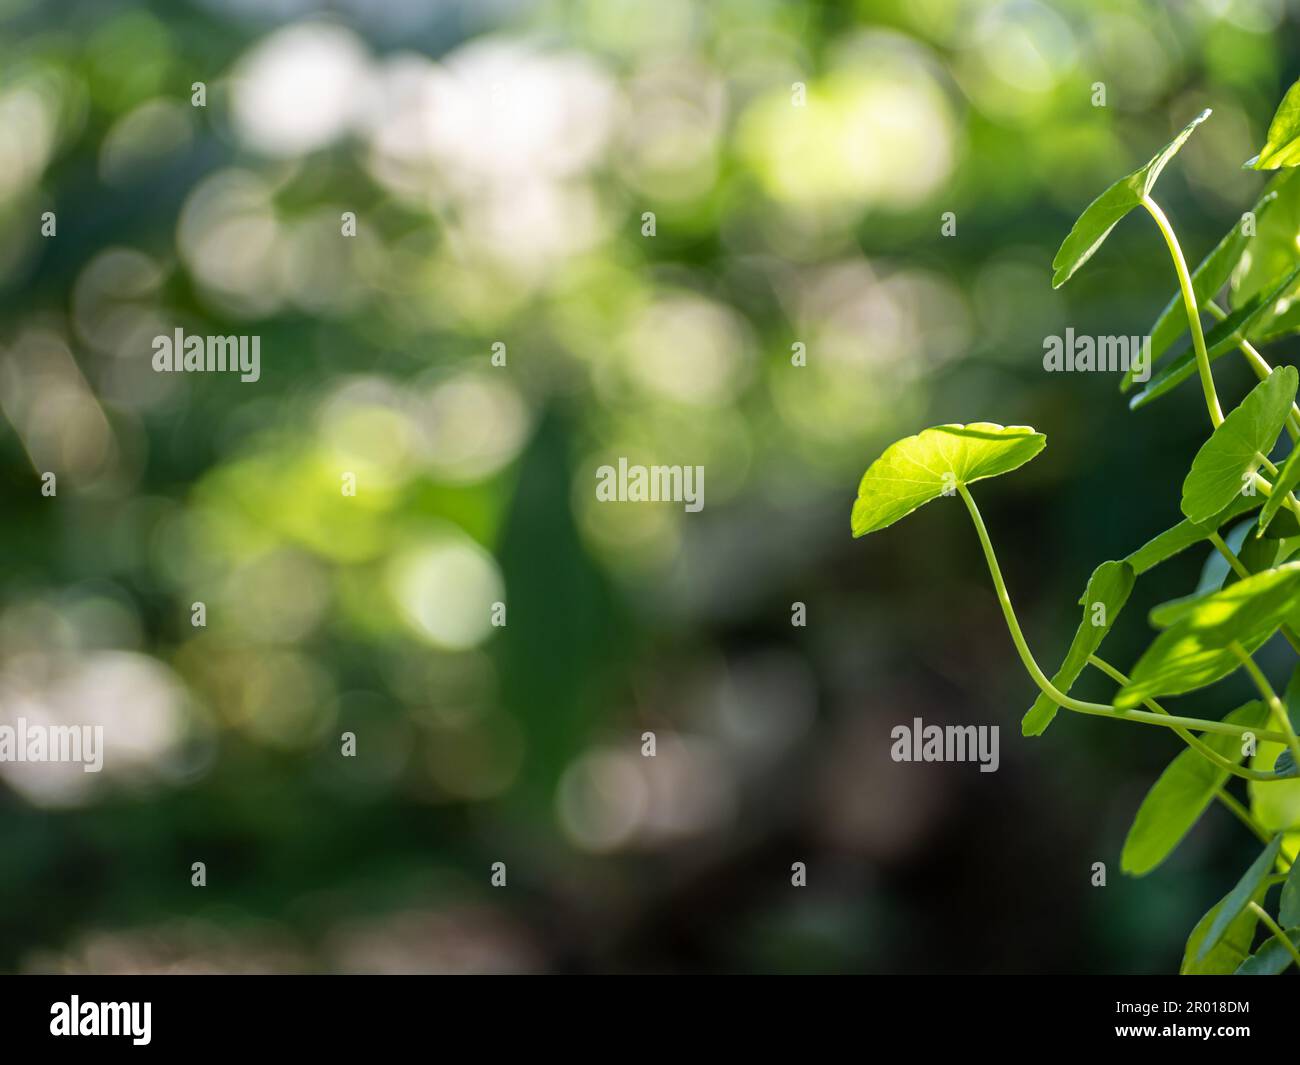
pixel 1199 746
pixel 1193 314
pixel 1055 694
pixel 1242 814
pixel 1270 696
pixel 1259 364
pixel 1266 919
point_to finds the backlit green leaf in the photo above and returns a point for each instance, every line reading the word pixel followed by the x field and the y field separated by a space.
pixel 1181 794
pixel 1269 258
pixel 1105 212
pixel 920 468
pixel 1107 592
pixel 1275 804
pixel 1282 145
pixel 1165 614
pixel 1238 446
pixel 1237 899
pixel 1196 649
pixel 1273 252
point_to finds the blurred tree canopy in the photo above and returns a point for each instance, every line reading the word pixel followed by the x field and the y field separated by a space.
pixel 488 247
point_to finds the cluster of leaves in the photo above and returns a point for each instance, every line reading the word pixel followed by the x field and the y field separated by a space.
pixel 1232 487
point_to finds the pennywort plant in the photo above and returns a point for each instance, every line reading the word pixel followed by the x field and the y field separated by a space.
pixel 1232 483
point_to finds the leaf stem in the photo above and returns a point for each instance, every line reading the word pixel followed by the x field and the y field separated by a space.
pixel 1241 571
pixel 1193 314
pixel 1243 815
pixel 1259 364
pixel 1270 697
pixel 1055 694
pixel 1197 745
pixel 1222 547
pixel 1266 486
pixel 1267 921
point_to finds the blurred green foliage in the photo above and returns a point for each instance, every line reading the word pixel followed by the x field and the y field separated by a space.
pixel 500 160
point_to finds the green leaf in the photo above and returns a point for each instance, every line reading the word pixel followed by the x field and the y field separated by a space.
pixel 1232 949
pixel 920 468
pixel 1239 445
pixel 1273 252
pixel 1187 533
pixel 1271 958
pixel 1215 569
pixel 1168 613
pixel 1108 588
pixel 1288 477
pixel 1181 794
pixel 1291 696
pixel 1288 914
pixel 1274 803
pixel 1196 648
pixel 1268 259
pixel 1223 338
pixel 1256 556
pixel 1283 526
pixel 1210 276
pixel 1282 145
pixel 1216 574
pixel 1105 212
pixel 1239 897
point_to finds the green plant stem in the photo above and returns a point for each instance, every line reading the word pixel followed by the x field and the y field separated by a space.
pixel 1193 313
pixel 1241 571
pixel 1055 694
pixel 1270 697
pixel 1290 501
pixel 1266 919
pixel 1207 752
pixel 1243 815
pixel 1266 486
pixel 1222 547
pixel 1259 364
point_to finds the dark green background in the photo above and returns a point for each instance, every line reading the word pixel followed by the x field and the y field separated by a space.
pixel 774 225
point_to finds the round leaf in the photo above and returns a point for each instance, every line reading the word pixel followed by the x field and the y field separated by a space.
pixel 1237 447
pixel 920 468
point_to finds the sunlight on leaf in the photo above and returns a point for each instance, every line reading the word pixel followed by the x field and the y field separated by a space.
pixel 1237 447
pixel 1282 145
pixel 1106 211
pixel 1196 649
pixel 920 468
